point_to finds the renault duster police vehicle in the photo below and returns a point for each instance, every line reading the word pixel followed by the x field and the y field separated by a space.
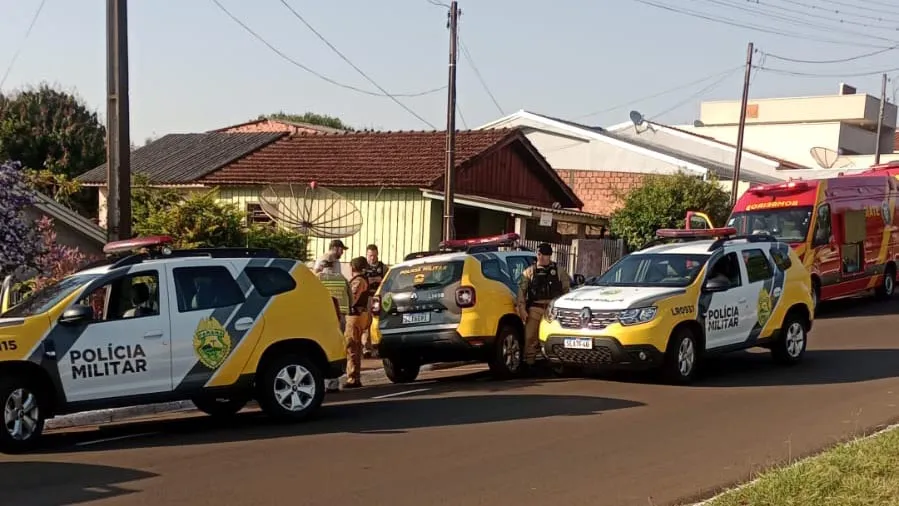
pixel 668 305
pixel 216 326
pixel 454 304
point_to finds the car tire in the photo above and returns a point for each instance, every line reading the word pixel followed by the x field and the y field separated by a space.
pixel 789 348
pixel 887 284
pixel 401 371
pixel 681 357
pixel 219 407
pixel 507 358
pixel 290 388
pixel 23 412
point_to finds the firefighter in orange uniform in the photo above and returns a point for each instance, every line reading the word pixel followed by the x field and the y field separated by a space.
pixel 357 321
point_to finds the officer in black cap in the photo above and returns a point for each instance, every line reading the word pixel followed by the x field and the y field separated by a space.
pixel 538 286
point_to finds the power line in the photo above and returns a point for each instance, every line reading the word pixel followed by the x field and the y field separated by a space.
pixel 15 55
pixel 477 73
pixel 873 2
pixel 840 19
pixel 351 64
pixel 311 71
pixel 731 22
pixel 812 74
pixel 663 92
pixel 699 93
pixel 838 11
pixel 838 60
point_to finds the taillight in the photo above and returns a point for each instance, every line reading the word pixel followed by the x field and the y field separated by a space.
pixel 375 305
pixel 465 296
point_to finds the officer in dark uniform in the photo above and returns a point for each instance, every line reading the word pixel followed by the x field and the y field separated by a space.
pixel 374 274
pixel 538 286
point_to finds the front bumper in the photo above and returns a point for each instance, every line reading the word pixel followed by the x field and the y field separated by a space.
pixel 434 346
pixel 606 352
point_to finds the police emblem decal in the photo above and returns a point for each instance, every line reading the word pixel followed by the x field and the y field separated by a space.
pixel 212 344
pixel 586 315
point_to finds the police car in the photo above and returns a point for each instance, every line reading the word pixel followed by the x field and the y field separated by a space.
pixel 669 305
pixel 454 304
pixel 216 326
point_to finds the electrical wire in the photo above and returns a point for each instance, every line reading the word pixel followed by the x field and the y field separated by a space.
pixel 351 64
pixel 872 2
pixel 15 55
pixel 731 22
pixel 698 94
pixel 311 71
pixel 660 93
pixel 811 74
pixel 836 11
pixel 837 60
pixel 840 19
pixel 477 74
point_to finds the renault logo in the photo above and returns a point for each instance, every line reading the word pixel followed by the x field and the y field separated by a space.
pixel 414 296
pixel 586 315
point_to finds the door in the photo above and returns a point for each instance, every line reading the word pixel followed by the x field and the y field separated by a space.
pixel 209 319
pixel 762 292
pixel 727 314
pixel 826 256
pixel 125 350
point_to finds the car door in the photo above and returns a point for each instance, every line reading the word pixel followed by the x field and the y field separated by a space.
pixel 725 313
pixel 761 292
pixel 209 319
pixel 126 349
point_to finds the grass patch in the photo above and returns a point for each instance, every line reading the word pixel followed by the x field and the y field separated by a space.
pixel 859 473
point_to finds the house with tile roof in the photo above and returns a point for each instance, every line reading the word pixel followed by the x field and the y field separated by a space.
pixel 395 179
pixel 602 165
pixel 277 125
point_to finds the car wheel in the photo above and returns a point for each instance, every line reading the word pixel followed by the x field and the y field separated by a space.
pixel 887 284
pixel 681 357
pixel 220 407
pixel 401 371
pixel 291 388
pixel 790 346
pixel 508 353
pixel 23 415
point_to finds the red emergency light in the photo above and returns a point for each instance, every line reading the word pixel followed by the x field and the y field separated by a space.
pixel 695 233
pixel 771 189
pixel 154 241
pixel 498 240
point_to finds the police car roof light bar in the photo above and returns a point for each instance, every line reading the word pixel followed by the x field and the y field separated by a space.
pixel 695 233
pixel 494 240
pixel 137 243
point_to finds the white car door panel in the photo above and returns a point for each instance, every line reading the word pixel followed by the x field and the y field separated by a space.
pixel 725 317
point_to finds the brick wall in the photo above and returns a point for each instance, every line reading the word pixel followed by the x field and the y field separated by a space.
pixel 601 191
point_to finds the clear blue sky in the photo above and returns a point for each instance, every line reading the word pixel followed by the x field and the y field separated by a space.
pixel 194 69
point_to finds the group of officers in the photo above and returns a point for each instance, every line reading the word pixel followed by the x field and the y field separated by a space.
pixel 538 286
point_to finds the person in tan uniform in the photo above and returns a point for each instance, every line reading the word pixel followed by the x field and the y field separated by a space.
pixel 538 286
pixel 356 322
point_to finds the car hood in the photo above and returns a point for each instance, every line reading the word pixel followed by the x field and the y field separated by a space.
pixel 615 297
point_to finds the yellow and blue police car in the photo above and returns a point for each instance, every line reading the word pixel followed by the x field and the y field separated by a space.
pixel 216 326
pixel 668 305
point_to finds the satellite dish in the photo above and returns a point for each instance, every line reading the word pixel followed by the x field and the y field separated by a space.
pixel 637 118
pixel 311 210
pixel 824 157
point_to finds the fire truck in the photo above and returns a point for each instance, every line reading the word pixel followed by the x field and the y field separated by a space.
pixel 843 228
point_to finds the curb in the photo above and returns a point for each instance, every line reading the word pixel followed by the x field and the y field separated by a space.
pixel 118 414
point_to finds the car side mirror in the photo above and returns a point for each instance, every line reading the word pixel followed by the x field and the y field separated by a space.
pixel 77 315
pixel 716 285
pixel 578 280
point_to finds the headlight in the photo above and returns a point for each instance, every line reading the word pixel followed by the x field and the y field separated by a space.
pixel 637 316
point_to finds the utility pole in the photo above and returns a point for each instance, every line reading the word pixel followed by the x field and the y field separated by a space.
pixel 883 100
pixel 118 133
pixel 738 158
pixel 449 180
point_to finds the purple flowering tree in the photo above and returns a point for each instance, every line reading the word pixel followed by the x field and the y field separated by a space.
pixel 55 260
pixel 20 242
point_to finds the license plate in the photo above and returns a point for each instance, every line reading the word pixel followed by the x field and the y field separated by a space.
pixel 579 343
pixel 409 318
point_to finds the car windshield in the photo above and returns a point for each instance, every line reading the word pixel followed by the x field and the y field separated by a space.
pixel 422 276
pixel 653 269
pixel 787 225
pixel 44 299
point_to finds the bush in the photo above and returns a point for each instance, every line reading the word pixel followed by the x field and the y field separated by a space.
pixel 19 242
pixel 286 243
pixel 197 221
pixel 662 202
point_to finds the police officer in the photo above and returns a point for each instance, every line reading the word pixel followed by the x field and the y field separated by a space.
pixel 538 286
pixel 374 274
pixel 339 288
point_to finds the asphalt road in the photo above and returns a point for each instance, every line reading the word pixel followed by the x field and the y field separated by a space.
pixel 461 439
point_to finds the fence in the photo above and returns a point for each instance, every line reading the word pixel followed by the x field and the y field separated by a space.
pixel 590 257
pixel 563 254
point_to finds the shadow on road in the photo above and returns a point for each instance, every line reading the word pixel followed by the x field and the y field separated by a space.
pixel 390 416
pixel 820 367
pixel 856 306
pixel 58 484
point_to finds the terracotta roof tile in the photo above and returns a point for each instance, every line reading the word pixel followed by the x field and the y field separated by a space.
pixel 392 159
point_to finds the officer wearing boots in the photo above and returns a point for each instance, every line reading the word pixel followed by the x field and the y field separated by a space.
pixel 538 286
pixel 357 321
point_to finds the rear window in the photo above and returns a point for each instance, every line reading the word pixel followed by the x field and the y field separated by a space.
pixel 430 275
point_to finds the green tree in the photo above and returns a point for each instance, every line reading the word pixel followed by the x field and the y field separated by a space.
pixel 310 117
pixel 662 202
pixel 286 243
